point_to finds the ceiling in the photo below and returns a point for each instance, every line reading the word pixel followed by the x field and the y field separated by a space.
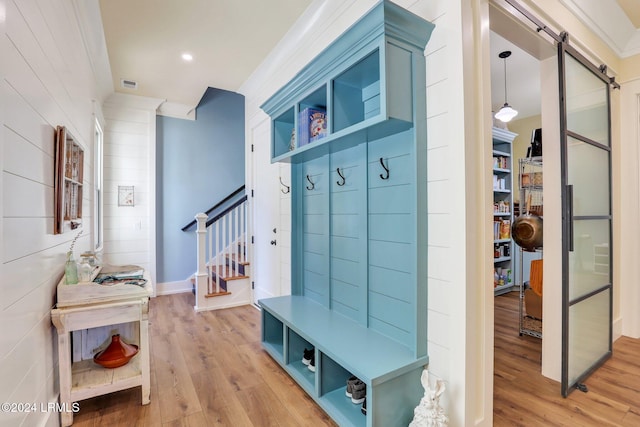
pixel 523 78
pixel 617 22
pixel 228 39
pixel 632 9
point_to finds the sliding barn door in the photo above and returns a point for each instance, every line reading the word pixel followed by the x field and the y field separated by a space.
pixel 587 232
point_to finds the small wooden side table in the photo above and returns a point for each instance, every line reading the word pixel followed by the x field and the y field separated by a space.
pixel 90 305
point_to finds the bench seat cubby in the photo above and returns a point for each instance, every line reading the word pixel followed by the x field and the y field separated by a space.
pixel 358 219
pixel 343 348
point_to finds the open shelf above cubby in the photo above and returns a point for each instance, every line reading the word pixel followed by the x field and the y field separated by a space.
pixel 356 93
pixel 284 132
pixel 363 82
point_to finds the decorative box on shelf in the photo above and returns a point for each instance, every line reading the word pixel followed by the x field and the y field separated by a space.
pixel 312 125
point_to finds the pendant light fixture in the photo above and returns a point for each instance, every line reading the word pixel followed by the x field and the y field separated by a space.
pixel 506 113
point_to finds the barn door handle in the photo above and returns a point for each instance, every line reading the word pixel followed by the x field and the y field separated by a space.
pixel 570 215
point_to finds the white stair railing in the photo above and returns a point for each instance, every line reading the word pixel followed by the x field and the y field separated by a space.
pixel 220 245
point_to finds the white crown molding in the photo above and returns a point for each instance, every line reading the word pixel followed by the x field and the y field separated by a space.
pixel 134 101
pixel 316 28
pixel 90 24
pixel 633 46
pixel 612 25
pixel 176 110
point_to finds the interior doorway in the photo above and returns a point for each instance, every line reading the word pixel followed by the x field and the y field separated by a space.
pixel 522 81
pixel 561 330
pixel 518 75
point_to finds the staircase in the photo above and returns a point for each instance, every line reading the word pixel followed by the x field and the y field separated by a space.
pixel 232 268
pixel 222 279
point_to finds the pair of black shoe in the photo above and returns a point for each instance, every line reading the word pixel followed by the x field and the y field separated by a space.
pixel 357 392
pixel 309 359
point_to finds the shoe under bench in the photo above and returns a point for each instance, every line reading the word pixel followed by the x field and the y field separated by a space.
pixel 343 348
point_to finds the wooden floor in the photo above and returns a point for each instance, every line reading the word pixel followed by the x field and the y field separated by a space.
pixel 208 369
pixel 523 397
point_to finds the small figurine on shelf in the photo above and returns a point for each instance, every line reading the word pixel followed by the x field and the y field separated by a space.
pixel 292 141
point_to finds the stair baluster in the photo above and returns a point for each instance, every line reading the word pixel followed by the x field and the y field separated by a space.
pixel 236 252
pixel 209 269
pixel 222 256
pixel 247 221
pixel 228 242
pixel 216 289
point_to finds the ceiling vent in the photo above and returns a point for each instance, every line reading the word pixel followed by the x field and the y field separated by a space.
pixel 128 84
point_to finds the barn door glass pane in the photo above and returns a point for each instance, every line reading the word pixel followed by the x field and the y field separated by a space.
pixel 586 175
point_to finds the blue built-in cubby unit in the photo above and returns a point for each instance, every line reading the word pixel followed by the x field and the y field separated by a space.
pixel 359 220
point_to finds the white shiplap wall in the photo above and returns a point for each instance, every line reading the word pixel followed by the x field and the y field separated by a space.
pixel 446 184
pixel 439 207
pixel 129 160
pixel 46 80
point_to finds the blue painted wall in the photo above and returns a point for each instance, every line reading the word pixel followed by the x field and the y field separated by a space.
pixel 198 164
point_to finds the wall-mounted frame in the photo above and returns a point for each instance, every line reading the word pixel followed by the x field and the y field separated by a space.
pixel 125 195
pixel 69 168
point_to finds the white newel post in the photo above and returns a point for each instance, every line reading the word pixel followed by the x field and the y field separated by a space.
pixel 201 274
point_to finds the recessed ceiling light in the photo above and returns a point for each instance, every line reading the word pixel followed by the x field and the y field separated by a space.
pixel 187 57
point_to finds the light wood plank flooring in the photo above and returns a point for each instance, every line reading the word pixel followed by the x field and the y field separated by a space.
pixel 523 397
pixel 208 369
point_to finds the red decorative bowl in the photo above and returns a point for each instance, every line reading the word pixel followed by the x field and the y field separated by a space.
pixel 117 354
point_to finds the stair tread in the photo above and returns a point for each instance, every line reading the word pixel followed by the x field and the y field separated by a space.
pixel 233 257
pixel 225 273
pixel 234 278
pixel 217 294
